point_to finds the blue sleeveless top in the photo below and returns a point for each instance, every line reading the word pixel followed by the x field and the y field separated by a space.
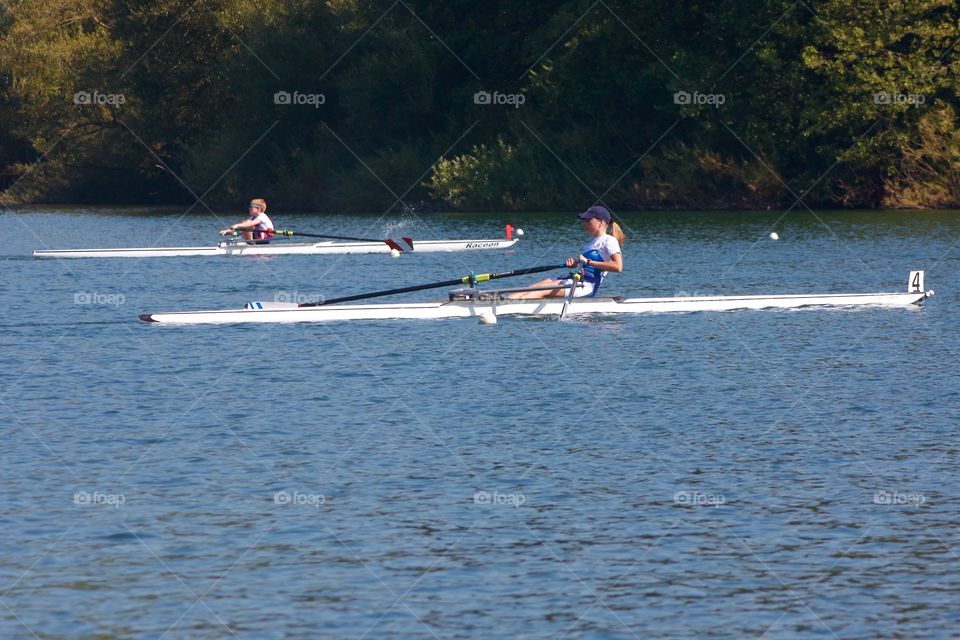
pixel 593 274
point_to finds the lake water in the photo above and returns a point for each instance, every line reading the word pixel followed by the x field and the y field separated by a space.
pixel 775 474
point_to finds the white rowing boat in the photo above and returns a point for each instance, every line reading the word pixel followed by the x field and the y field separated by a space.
pixel 479 303
pixel 240 248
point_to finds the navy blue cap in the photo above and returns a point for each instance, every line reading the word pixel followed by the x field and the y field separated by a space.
pixel 596 211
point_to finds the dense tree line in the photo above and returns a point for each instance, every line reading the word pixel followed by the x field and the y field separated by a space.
pixel 348 105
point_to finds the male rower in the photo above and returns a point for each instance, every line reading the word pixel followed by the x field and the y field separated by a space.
pixel 257 228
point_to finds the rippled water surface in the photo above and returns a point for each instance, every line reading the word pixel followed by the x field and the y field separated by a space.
pixel 774 474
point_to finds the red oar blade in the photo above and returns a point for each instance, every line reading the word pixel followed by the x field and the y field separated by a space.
pixel 404 244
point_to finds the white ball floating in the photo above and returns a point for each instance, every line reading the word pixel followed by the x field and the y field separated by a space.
pixel 519 233
pixel 394 253
pixel 488 317
pixel 774 236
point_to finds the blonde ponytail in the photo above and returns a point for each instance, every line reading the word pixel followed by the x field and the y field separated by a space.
pixel 614 230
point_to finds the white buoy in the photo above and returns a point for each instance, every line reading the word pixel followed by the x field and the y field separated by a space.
pixel 519 233
pixel 394 253
pixel 774 236
pixel 488 317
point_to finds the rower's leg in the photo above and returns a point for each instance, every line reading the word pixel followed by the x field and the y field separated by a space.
pixel 248 235
pixel 546 293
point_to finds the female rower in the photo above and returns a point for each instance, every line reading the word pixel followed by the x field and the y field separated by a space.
pixel 600 255
pixel 257 227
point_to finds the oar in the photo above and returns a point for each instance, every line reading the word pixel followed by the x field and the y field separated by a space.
pixel 574 281
pixel 393 244
pixel 470 280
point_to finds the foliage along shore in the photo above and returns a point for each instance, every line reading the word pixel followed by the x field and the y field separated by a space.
pixel 341 105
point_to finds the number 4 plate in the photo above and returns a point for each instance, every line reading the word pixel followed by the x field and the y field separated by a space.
pixel 915 284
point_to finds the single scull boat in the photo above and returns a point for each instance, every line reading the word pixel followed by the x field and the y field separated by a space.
pixel 241 248
pixel 472 302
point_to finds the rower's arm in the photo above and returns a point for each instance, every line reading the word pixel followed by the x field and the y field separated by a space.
pixel 246 224
pixel 614 264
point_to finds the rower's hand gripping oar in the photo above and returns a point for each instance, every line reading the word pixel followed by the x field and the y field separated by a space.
pixel 406 245
pixel 471 280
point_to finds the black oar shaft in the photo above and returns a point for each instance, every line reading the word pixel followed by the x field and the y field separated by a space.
pixel 482 277
pixel 364 296
pixel 289 234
